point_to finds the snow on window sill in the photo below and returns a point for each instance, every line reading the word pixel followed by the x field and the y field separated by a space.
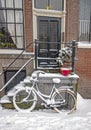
pixel 83 44
pixel 45 12
pixel 10 51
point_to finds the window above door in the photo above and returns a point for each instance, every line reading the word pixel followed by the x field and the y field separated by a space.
pixel 49 4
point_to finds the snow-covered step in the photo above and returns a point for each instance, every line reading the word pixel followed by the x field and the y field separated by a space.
pixel 27 80
pixel 12 91
pixel 5 99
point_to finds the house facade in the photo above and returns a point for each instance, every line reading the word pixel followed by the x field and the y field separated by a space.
pixel 23 22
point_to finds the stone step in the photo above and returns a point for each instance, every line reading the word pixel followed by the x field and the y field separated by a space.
pixel 5 99
pixel 6 103
pixel 11 93
pixel 13 90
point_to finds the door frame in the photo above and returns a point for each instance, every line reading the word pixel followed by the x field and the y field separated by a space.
pixel 52 53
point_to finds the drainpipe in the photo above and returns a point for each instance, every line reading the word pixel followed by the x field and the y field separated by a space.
pixel 90 29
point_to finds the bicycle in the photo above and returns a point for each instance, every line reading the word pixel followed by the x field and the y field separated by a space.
pixel 59 99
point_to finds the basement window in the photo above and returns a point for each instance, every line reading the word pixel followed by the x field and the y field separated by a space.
pixel 9 74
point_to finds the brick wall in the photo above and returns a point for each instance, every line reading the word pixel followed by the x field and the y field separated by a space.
pixel 83 69
pixel 72 16
pixel 28 19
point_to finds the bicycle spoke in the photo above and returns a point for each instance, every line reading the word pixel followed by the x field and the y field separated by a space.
pixel 24 101
pixel 67 101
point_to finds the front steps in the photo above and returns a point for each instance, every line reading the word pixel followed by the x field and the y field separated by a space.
pixel 6 100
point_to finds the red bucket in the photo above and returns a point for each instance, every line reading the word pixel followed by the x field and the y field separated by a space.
pixel 65 71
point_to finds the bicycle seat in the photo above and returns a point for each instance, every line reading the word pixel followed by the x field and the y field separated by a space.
pixel 56 80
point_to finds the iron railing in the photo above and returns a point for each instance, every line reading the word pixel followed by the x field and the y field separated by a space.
pixel 21 68
pixel 46 57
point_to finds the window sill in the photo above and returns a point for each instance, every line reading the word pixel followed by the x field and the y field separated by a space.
pixel 48 12
pixel 84 44
pixel 10 51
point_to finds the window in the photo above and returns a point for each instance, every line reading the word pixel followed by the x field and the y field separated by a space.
pixel 9 74
pixel 85 20
pixel 49 4
pixel 11 24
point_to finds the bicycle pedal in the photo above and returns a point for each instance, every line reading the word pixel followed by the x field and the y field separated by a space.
pixel 45 105
pixel 42 104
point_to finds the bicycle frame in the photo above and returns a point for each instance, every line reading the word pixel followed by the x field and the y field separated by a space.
pixel 44 97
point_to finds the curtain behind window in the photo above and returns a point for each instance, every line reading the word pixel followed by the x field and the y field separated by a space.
pixel 14 21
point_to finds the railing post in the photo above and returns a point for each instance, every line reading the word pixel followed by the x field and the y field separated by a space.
pixel 36 53
pixel 73 55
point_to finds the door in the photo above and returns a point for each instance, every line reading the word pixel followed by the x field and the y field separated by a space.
pixel 49 36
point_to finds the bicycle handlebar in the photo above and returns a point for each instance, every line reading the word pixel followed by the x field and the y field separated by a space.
pixel 40 72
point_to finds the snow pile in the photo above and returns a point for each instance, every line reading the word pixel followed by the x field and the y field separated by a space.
pixel 48 119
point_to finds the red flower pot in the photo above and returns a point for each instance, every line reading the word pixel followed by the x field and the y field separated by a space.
pixel 65 71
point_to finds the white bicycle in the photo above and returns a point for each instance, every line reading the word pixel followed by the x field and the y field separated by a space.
pixel 60 99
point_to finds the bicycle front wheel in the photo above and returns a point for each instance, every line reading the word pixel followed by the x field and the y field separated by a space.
pixel 65 101
pixel 24 100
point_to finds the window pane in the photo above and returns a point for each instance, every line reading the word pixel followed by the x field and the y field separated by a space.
pixel 4 13
pixel 9 4
pixel 10 16
pixel 11 28
pixel 18 3
pixel 52 4
pixel 43 34
pixel 56 5
pixel 19 42
pixel 1 27
pixel 19 16
pixel 19 30
pixel 13 40
pixel 2 17
pixel 41 4
pixel 6 38
pixel 2 3
pixel 53 31
pixel 85 9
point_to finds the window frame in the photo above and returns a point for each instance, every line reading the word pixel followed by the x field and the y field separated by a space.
pixel 15 23
pixel 49 6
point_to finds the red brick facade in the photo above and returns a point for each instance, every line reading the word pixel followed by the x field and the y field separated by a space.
pixel 28 16
pixel 83 69
pixel 72 17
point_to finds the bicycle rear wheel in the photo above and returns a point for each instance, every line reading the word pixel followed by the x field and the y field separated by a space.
pixel 65 101
pixel 24 100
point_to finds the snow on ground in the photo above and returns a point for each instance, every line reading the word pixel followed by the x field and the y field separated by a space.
pixel 48 119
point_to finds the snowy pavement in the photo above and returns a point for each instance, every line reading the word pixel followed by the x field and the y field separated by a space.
pixel 48 119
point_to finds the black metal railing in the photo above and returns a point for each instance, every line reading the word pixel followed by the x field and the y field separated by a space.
pixel 46 54
pixel 21 68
